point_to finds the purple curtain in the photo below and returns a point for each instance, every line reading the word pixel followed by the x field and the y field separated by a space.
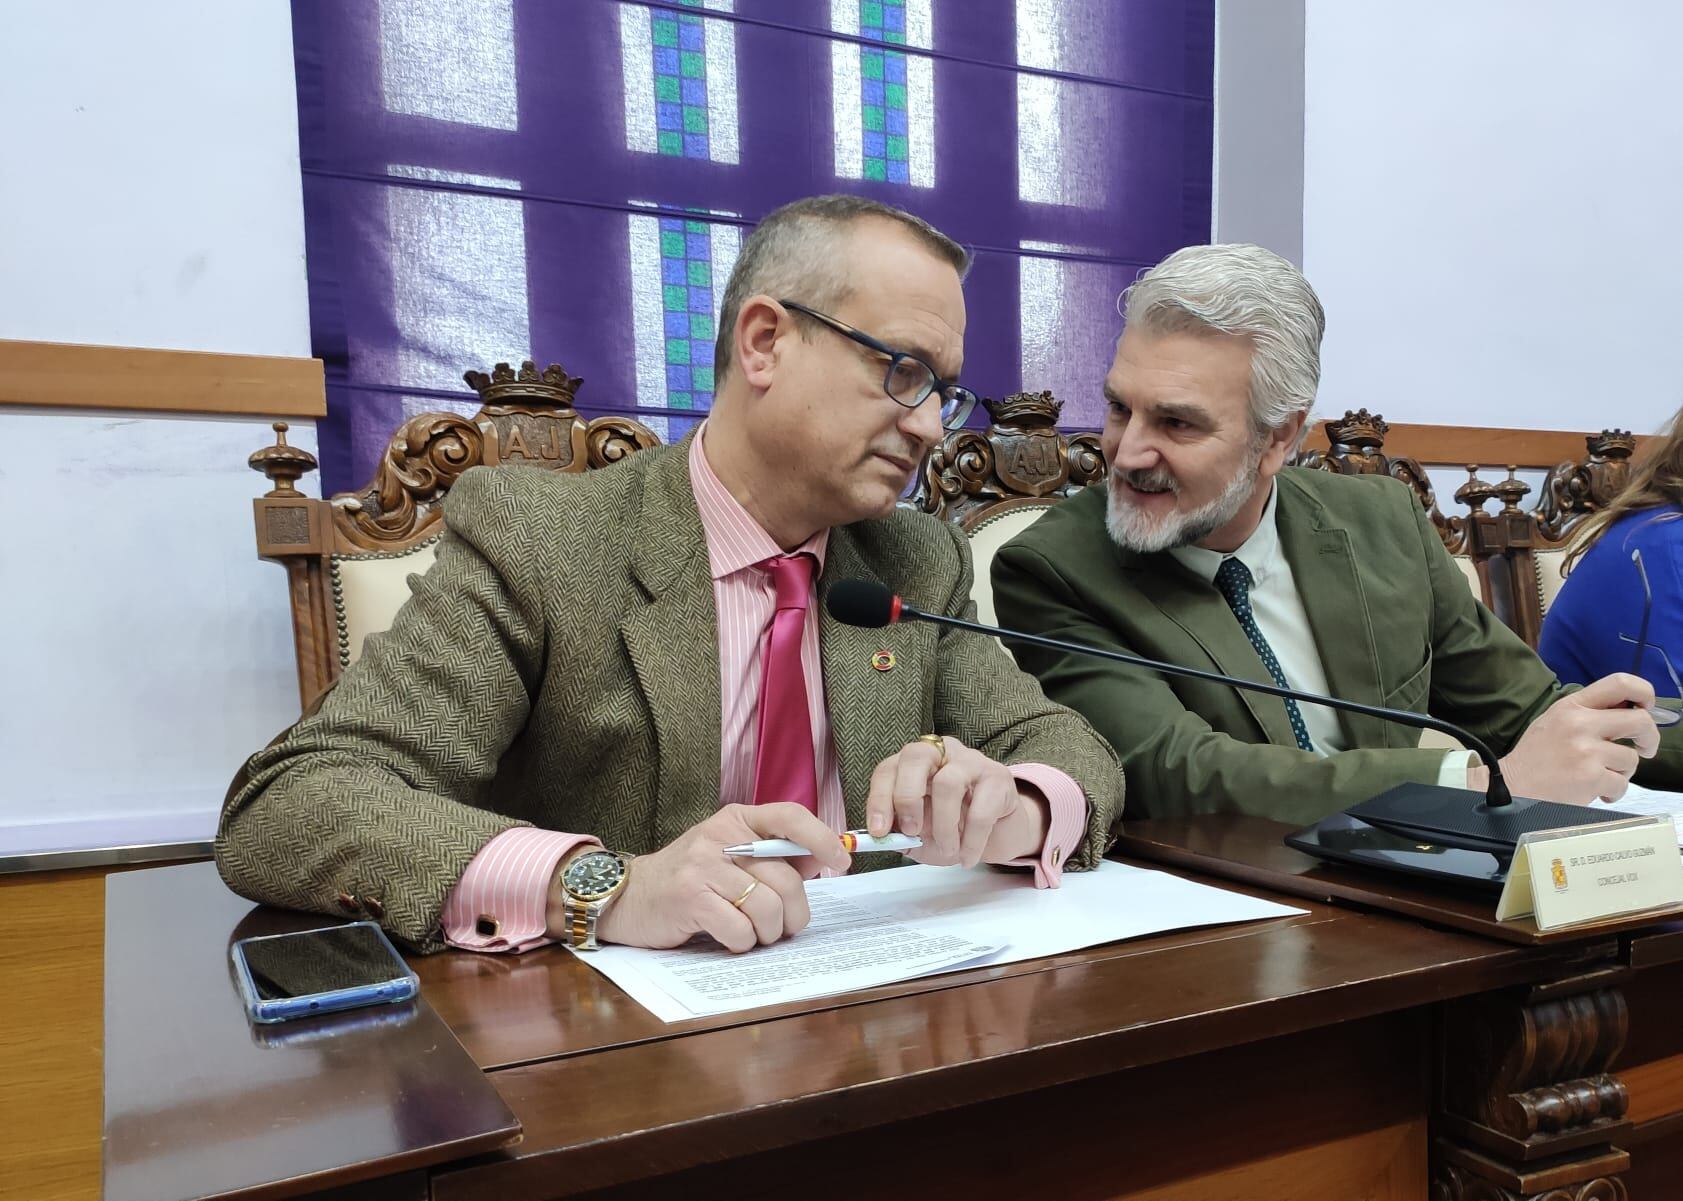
pixel 569 180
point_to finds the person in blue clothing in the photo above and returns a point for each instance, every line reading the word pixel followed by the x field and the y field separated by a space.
pixel 1594 624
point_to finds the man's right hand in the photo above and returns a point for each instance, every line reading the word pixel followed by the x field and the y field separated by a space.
pixel 1575 751
pixel 687 887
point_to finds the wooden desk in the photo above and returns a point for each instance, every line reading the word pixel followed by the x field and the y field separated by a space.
pixel 1527 1079
pixel 1284 1059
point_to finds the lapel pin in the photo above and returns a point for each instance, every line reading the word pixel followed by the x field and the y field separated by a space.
pixel 883 660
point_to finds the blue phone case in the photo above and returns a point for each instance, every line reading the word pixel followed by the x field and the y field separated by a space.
pixel 402 986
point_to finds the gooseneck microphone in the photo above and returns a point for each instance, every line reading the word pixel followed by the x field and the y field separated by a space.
pixel 1426 813
pixel 869 604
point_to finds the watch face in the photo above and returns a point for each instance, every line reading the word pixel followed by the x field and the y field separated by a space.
pixel 594 875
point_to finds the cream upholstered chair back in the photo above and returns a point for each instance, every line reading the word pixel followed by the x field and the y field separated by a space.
pixel 1550 571
pixel 349 558
pixel 995 483
pixel 991 529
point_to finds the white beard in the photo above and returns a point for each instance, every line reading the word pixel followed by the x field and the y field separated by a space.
pixel 1131 529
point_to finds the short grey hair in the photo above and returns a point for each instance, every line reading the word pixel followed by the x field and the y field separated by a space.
pixel 796 252
pixel 1248 292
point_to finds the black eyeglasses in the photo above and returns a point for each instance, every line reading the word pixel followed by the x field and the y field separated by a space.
pixel 1661 716
pixel 909 381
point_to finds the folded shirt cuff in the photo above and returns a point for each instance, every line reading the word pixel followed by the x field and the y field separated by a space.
pixel 501 903
pixel 1452 772
pixel 1066 807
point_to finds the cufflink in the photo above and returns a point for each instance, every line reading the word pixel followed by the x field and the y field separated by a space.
pixel 487 926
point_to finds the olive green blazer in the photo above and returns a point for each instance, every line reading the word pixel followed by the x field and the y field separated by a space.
pixel 559 666
pixel 1393 618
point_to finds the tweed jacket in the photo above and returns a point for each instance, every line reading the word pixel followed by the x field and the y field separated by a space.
pixel 1393 619
pixel 559 666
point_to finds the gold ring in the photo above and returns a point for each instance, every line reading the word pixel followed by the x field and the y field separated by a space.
pixel 939 743
pixel 746 893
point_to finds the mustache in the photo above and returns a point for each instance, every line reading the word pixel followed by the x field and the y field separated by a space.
pixel 1156 480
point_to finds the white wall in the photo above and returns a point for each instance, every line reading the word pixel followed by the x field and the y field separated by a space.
pixel 1491 197
pixel 150 197
pixel 1257 181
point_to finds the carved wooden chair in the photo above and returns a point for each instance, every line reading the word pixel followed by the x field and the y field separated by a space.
pixel 348 558
pixel 1529 545
pixel 1356 443
pixel 995 483
pixel 1356 446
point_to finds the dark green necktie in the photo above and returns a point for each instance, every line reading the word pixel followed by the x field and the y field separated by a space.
pixel 1234 580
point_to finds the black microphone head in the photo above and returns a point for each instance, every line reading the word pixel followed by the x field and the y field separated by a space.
pixel 862 603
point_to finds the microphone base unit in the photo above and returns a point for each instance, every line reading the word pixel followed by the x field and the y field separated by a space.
pixel 1446 834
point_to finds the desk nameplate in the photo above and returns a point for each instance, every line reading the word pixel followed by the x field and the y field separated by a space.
pixel 1586 873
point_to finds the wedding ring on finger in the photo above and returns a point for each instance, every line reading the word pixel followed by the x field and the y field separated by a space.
pixel 939 743
pixel 746 893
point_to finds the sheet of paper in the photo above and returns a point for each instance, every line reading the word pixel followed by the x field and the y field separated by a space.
pixel 1646 802
pixel 881 927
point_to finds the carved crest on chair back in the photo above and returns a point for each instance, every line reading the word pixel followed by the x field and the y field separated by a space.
pixel 1356 443
pixel 1577 487
pixel 526 417
pixel 1020 455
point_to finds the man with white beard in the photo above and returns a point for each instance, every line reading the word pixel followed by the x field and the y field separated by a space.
pixel 1205 549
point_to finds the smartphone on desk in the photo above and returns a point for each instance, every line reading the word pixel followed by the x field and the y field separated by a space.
pixel 284 976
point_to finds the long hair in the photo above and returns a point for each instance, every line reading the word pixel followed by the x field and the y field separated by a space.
pixel 1655 480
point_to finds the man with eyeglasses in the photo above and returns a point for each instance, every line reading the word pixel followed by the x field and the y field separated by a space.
pixel 608 679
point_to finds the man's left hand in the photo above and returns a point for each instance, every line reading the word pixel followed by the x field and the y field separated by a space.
pixel 968 810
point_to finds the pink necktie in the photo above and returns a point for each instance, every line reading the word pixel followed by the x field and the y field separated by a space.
pixel 783 767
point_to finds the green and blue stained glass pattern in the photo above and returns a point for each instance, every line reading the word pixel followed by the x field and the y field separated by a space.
pixel 679 73
pixel 679 268
pixel 883 98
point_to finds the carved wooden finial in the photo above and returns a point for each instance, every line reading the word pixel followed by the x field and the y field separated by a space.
pixel 1512 490
pixel 552 388
pixel 282 463
pixel 1475 491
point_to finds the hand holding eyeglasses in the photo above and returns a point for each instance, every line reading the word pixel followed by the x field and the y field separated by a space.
pixel 1585 745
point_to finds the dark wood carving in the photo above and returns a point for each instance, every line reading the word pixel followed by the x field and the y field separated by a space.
pixel 1507 542
pixel 1572 489
pixel 1020 456
pixel 1357 442
pixel 1529 1107
pixel 1451 1182
pixel 526 418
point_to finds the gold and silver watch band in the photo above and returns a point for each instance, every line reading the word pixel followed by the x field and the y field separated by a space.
pixel 581 922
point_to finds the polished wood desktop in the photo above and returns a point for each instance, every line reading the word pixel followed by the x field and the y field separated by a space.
pixel 1296 1058
pixel 1534 1076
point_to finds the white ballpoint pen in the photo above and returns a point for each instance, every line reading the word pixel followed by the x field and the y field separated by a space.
pixel 853 840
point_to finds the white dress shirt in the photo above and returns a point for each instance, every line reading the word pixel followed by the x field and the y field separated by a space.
pixel 1278 608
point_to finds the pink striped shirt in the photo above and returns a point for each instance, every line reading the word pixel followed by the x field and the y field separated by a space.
pixel 501 901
